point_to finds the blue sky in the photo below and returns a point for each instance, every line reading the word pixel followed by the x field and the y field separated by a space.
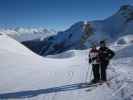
pixel 55 14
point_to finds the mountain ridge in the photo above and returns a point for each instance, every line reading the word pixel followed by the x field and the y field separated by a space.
pixel 76 36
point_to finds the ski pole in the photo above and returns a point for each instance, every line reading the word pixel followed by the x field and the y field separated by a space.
pixel 87 73
pixel 91 74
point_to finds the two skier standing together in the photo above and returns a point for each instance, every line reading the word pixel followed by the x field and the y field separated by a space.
pixel 99 58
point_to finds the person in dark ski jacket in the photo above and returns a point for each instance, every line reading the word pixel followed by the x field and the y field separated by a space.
pixel 94 60
pixel 105 55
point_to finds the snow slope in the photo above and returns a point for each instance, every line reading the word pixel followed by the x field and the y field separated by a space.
pixel 7 42
pixel 25 75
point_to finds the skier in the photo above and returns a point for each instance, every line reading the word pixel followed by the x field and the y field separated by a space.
pixel 105 55
pixel 94 60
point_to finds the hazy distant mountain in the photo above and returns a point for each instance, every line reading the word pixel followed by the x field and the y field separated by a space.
pixel 25 34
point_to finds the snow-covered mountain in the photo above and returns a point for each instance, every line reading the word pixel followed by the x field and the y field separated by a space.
pixel 27 76
pixel 78 37
pixel 26 34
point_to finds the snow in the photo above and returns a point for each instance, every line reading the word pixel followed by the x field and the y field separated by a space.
pixel 68 54
pixel 25 75
pixel 124 40
pixel 9 44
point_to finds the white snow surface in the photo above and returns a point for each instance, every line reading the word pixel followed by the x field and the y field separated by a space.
pixel 125 40
pixel 25 75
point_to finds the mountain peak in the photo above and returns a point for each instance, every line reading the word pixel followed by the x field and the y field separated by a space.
pixel 126 11
pixel 126 8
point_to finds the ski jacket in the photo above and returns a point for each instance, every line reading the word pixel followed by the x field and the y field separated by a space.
pixel 105 54
pixel 93 56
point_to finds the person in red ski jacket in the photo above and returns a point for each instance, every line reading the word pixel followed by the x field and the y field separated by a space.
pixel 94 60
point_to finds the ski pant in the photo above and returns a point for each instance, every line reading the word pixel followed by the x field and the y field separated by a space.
pixel 96 74
pixel 103 67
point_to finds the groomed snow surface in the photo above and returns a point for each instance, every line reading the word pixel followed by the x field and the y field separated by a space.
pixel 27 76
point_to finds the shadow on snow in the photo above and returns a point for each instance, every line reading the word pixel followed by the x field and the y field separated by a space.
pixel 32 93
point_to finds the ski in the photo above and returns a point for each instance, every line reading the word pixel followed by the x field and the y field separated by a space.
pixel 93 86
